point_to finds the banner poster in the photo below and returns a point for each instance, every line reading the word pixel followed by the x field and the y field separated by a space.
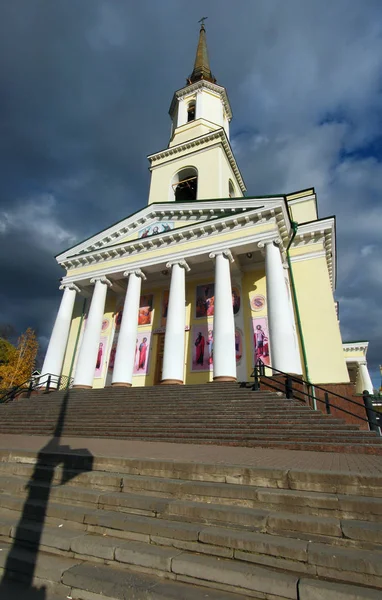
pixel 102 348
pixel 202 349
pixel 205 300
pixel 142 353
pixel 164 307
pixel 261 340
pixel 145 309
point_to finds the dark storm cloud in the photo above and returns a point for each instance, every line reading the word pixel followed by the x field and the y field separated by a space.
pixel 84 91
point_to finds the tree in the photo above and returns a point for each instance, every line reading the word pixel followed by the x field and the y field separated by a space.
pixel 20 361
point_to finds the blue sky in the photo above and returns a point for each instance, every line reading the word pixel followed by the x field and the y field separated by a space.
pixel 85 89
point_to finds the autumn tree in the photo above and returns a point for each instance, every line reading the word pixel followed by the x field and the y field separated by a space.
pixel 20 361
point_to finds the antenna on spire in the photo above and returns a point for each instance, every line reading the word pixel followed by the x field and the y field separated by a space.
pixel 202 21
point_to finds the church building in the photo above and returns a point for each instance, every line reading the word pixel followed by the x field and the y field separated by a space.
pixel 205 280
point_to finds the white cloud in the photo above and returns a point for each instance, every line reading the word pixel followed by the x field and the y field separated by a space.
pixel 36 217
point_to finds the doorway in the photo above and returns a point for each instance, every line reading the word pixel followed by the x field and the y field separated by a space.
pixel 159 359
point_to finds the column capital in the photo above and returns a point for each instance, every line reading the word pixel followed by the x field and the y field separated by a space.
pixel 136 272
pixel 70 286
pixel 182 263
pixel 226 253
pixel 102 279
pixel 275 241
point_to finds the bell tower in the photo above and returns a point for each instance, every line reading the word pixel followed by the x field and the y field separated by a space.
pixel 198 163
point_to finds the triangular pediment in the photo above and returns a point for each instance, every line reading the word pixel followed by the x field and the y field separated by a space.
pixel 158 220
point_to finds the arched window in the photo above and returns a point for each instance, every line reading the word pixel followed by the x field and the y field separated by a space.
pixel 231 189
pixel 185 184
pixel 191 111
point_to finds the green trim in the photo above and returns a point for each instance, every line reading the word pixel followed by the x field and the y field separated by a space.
pixel 295 301
pixel 77 340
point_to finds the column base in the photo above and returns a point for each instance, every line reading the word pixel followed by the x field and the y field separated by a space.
pixel 79 386
pixel 223 378
pixel 171 382
pixel 121 384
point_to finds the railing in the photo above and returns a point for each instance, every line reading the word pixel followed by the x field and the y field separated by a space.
pixel 295 387
pixel 42 383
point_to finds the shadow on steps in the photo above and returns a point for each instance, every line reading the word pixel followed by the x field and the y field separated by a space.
pixel 52 455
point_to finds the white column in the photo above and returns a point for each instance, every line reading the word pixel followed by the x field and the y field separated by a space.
pixel 182 112
pixel 224 321
pixel 284 354
pixel 363 379
pixel 125 355
pixel 199 106
pixel 173 355
pixel 87 357
pixel 55 353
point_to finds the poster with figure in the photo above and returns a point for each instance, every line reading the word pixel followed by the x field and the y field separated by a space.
pixel 164 307
pixel 145 309
pixel 142 353
pixel 205 300
pixel 202 340
pixel 155 228
pixel 261 340
pixel 102 348
pixel 201 348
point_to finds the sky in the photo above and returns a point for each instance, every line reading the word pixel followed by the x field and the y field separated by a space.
pixel 85 87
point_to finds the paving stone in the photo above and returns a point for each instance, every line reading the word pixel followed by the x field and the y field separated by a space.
pixel 44 566
pixel 125 501
pixel 345 559
pixel 55 537
pixel 146 555
pixel 143 525
pixel 363 531
pixel 238 574
pixel 256 542
pixel 95 545
pixel 193 546
pixel 310 589
pixel 215 513
pixel 294 522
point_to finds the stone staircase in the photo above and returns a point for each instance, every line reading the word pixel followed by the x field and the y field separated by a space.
pixel 89 528
pixel 223 414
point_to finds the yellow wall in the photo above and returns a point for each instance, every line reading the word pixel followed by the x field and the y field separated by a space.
pixel 320 326
pixel 302 206
pixel 213 168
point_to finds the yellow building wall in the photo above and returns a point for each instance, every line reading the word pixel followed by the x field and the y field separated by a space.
pixel 355 354
pixel 213 174
pixel 303 212
pixel 322 337
pixel 191 130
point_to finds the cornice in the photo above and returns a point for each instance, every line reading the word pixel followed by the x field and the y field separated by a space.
pixel 355 347
pixel 210 247
pixel 218 135
pixel 196 87
pixel 321 230
pixel 192 211
pixel 231 219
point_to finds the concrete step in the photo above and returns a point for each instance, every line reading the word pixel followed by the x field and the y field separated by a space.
pixel 109 472
pixel 237 551
pixel 141 491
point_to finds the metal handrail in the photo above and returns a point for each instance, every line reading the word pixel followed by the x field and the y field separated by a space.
pixel 259 372
pixel 44 383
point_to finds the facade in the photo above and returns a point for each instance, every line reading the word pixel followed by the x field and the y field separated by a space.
pixel 204 280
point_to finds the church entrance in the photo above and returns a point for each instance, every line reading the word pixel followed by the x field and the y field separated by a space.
pixel 159 359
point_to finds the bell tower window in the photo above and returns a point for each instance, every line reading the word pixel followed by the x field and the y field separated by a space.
pixel 185 184
pixel 191 111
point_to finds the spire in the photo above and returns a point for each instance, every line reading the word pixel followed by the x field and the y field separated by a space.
pixel 202 64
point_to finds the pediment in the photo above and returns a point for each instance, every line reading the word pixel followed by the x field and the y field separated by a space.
pixel 159 220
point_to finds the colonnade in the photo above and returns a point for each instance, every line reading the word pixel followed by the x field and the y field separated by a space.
pixel 284 352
